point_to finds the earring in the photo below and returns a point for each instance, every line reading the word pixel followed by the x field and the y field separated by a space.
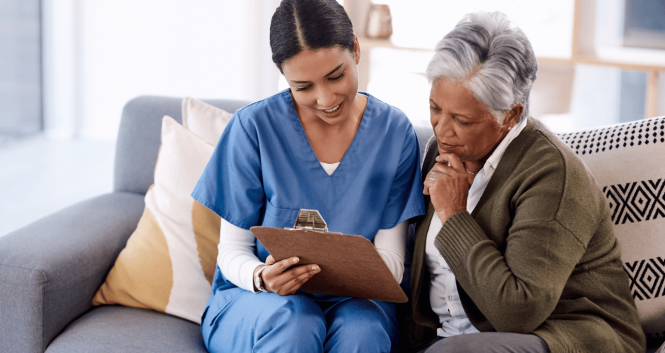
pixel 509 128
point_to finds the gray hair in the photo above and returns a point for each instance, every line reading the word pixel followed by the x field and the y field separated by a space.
pixel 491 57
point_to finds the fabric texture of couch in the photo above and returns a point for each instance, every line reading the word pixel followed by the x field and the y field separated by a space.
pixel 50 269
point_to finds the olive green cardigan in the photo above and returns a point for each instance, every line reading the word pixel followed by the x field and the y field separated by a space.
pixel 537 255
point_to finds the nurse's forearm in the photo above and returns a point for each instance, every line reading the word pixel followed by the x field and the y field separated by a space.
pixel 236 258
pixel 391 246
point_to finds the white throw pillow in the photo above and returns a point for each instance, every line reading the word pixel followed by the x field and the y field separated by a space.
pixel 204 120
pixel 628 162
pixel 169 261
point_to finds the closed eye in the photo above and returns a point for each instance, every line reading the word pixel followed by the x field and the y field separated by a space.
pixel 461 122
pixel 336 77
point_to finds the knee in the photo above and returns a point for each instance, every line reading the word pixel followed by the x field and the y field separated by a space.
pixel 360 325
pixel 298 313
pixel 265 322
pixel 294 324
pixel 363 317
pixel 491 341
pixel 297 306
pixel 469 343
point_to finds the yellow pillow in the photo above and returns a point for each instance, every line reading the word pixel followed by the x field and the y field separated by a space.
pixel 169 261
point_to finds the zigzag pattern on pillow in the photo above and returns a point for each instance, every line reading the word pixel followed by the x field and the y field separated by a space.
pixel 637 201
pixel 646 278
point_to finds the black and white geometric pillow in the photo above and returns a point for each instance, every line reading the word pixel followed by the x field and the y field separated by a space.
pixel 628 162
pixel 614 137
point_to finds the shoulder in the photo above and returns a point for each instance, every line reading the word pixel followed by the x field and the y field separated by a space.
pixel 546 168
pixel 389 125
pixel 389 115
pixel 543 147
pixel 265 110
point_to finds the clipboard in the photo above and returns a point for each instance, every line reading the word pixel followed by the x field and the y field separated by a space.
pixel 350 265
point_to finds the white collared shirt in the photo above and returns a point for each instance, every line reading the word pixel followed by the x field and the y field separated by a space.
pixel 444 297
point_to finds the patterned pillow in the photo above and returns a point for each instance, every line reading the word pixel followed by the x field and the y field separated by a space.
pixel 169 261
pixel 628 162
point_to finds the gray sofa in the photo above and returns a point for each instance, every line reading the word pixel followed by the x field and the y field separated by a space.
pixel 50 270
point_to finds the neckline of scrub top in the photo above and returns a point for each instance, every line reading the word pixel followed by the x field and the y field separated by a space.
pixel 330 188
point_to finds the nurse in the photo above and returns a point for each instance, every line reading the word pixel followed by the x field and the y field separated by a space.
pixel 318 145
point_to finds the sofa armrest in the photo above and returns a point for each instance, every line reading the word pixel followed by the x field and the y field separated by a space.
pixel 50 269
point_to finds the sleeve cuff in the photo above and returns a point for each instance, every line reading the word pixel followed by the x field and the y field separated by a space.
pixel 248 273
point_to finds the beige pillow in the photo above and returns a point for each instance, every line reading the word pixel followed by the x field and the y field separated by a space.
pixel 169 261
pixel 204 120
pixel 628 162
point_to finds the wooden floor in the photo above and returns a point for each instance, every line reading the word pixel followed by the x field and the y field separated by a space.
pixel 39 176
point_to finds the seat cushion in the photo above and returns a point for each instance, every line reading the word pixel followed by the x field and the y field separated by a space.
pixel 123 329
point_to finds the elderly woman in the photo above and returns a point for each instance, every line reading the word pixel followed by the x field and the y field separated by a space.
pixel 516 250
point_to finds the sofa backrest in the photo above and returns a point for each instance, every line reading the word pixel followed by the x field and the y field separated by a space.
pixel 627 161
pixel 139 138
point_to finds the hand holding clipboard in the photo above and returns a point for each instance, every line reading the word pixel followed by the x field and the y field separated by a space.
pixel 350 265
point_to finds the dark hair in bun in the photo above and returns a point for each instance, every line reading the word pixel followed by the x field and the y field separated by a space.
pixel 308 24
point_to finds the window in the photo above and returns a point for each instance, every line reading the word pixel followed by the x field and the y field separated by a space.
pixel 644 24
pixel 600 62
pixel 20 69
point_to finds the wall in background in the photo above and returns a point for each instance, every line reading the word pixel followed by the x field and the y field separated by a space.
pixel 20 68
pixel 588 75
pixel 99 54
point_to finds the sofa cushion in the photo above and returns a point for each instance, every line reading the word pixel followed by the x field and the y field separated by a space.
pixel 169 261
pixel 122 329
pixel 204 120
pixel 139 138
pixel 628 163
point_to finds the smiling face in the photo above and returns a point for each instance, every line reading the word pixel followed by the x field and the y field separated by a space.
pixel 324 83
pixel 463 125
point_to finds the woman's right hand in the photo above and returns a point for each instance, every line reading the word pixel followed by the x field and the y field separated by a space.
pixel 279 278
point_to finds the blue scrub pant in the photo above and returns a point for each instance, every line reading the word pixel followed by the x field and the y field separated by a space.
pixel 240 321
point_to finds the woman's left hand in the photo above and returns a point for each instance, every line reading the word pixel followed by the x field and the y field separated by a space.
pixel 447 186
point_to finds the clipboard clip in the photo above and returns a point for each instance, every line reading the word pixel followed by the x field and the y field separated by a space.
pixel 310 220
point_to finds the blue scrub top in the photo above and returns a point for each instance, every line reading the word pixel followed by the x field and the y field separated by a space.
pixel 264 170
